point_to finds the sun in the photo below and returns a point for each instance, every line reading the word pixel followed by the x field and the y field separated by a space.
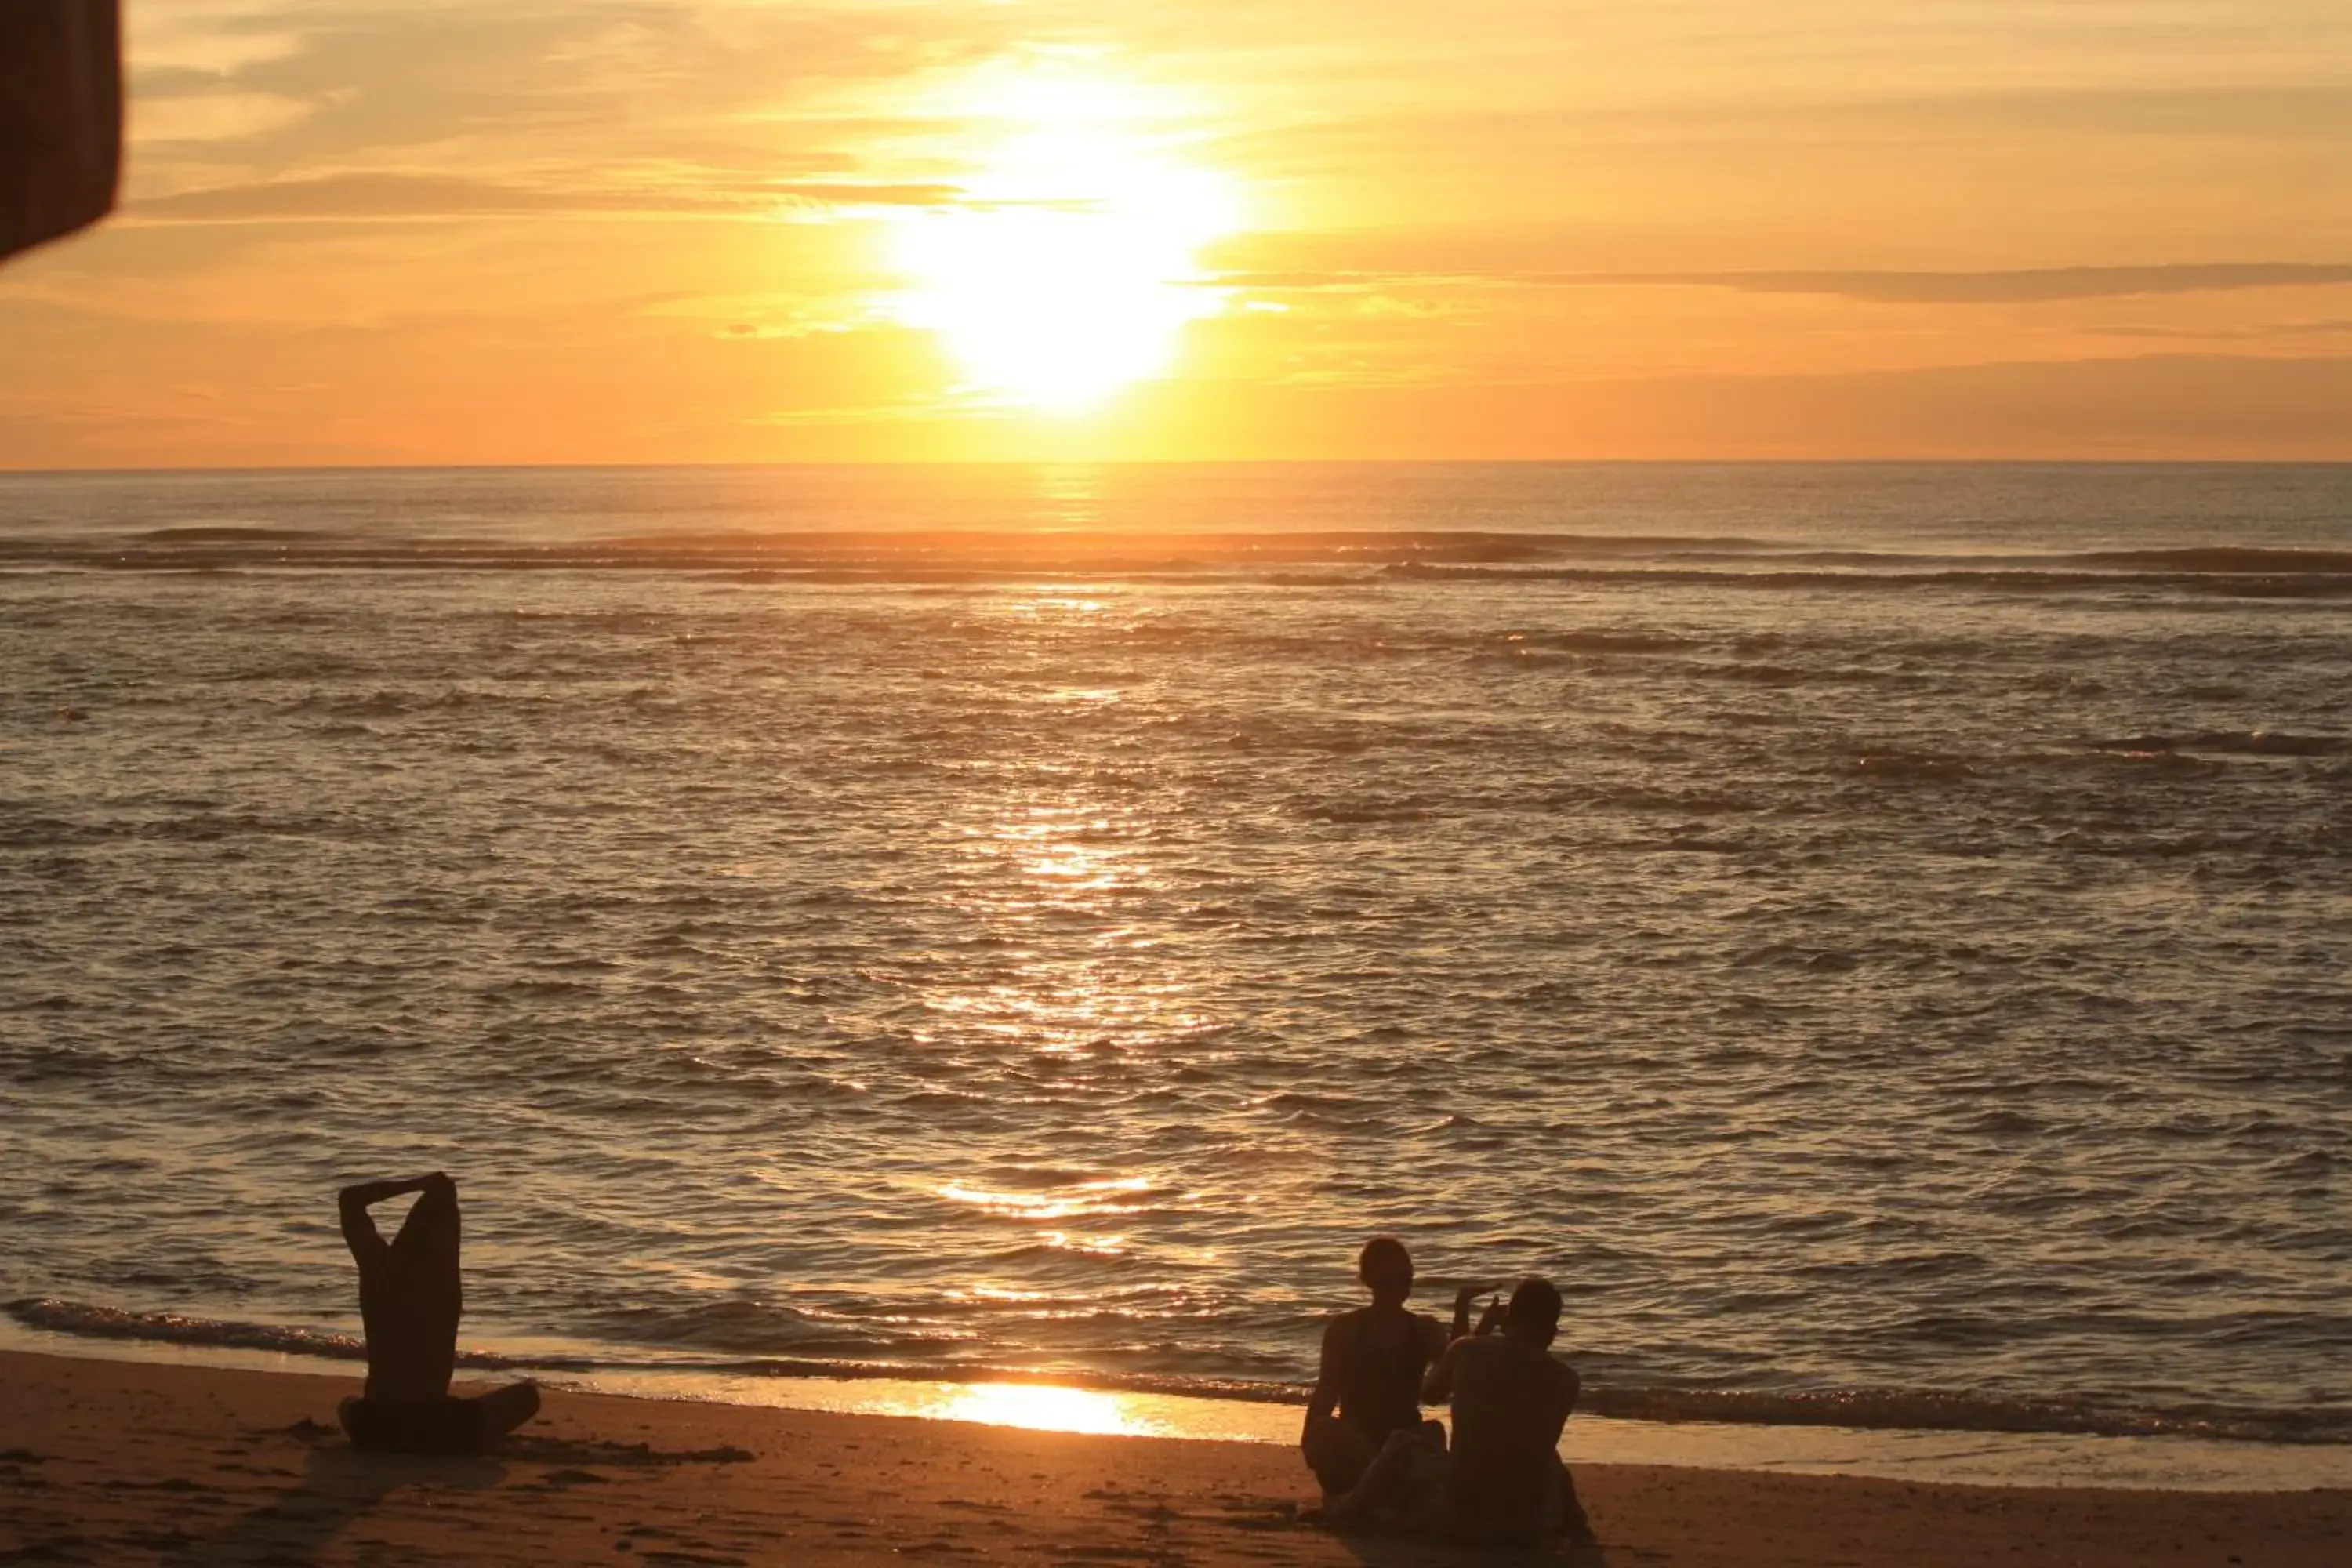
pixel 1071 264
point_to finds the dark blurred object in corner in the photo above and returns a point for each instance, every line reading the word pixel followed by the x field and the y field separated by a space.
pixel 61 116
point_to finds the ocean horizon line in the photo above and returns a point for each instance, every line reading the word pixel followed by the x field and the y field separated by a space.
pixel 1004 464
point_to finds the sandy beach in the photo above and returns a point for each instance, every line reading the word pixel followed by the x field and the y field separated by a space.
pixel 123 1462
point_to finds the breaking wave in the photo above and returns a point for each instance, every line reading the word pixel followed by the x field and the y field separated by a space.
pixel 975 555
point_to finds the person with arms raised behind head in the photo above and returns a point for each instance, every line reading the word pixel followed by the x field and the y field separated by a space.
pixel 1368 1388
pixel 1503 1484
pixel 410 1302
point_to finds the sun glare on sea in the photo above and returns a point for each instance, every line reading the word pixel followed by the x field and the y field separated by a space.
pixel 1042 1408
pixel 1071 266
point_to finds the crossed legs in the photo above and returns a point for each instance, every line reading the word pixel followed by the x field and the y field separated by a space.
pixel 444 1425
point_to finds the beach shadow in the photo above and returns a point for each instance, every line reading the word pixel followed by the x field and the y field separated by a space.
pixel 339 1487
pixel 1375 1549
pixel 580 1451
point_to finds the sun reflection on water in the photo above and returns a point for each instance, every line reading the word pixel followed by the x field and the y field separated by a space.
pixel 1082 1200
pixel 1065 997
pixel 1038 1407
pixel 1050 869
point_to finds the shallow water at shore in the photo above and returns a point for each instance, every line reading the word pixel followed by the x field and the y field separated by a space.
pixel 2008 1458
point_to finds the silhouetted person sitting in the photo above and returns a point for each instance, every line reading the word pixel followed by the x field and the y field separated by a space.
pixel 1503 1484
pixel 409 1305
pixel 1369 1386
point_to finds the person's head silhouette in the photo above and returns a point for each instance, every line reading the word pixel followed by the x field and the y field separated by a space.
pixel 1386 1269
pixel 1534 1315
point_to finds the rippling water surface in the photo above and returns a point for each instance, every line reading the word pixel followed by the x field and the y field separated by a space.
pixel 1858 928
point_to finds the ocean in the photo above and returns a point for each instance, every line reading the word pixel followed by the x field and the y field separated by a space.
pixel 1880 937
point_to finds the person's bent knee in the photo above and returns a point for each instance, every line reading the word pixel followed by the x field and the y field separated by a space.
pixel 1323 1435
pixel 505 1409
pixel 1336 1452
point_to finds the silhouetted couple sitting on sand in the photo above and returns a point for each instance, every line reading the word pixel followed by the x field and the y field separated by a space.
pixel 1383 1467
pixel 410 1300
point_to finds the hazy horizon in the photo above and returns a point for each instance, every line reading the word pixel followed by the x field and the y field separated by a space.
pixel 34 472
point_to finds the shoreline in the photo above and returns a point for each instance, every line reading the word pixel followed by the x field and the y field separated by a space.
pixel 134 1462
pixel 68 1328
pixel 1934 1456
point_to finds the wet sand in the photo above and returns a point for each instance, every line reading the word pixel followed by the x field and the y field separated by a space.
pixel 124 1462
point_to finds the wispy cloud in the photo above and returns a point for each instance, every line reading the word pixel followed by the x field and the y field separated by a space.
pixel 2014 285
pixel 2009 285
pixel 364 196
pixel 2261 331
pixel 213 116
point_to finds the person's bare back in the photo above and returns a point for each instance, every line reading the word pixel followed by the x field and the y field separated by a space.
pixel 1511 1400
pixel 1372 1362
pixel 410 1302
pixel 410 1294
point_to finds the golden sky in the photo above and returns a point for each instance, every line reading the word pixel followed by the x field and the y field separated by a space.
pixel 407 231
